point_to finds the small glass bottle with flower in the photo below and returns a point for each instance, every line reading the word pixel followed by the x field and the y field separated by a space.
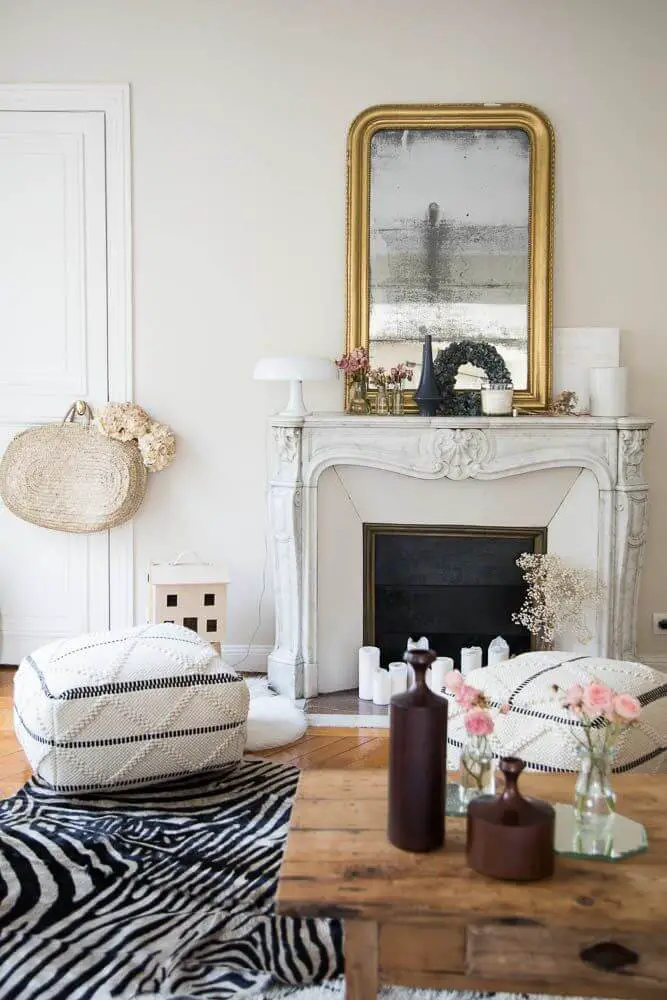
pixel 601 716
pixel 355 365
pixel 378 379
pixel 477 769
pixel 397 377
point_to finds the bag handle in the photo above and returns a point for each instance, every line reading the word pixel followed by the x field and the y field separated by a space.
pixel 79 408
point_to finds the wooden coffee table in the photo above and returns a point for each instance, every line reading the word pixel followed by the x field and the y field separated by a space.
pixel 426 920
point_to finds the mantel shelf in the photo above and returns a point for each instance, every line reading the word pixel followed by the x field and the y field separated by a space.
pixel 519 423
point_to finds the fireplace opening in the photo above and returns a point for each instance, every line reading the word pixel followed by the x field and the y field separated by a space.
pixel 456 585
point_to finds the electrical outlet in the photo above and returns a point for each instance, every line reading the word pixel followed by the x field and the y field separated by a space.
pixel 660 623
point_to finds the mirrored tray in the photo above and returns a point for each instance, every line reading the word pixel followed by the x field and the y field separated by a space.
pixel 620 838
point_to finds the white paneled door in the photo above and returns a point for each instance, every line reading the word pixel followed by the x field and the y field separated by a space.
pixel 54 308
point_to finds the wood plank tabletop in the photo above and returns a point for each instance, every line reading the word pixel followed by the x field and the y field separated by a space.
pixel 339 863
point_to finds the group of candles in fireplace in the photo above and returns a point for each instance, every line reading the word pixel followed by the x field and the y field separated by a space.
pixel 379 685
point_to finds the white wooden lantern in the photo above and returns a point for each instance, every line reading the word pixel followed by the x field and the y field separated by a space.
pixel 192 593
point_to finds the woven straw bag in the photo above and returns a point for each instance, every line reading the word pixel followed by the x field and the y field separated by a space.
pixel 69 477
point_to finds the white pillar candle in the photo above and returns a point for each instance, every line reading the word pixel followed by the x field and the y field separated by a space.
pixel 398 677
pixel 471 659
pixel 381 687
pixel 609 391
pixel 499 651
pixel 369 660
pixel 439 670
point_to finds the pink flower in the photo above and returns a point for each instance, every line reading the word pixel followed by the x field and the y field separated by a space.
pixel 466 696
pixel 574 695
pixel 505 709
pixel 626 707
pixel 478 722
pixel 598 699
pixel 453 680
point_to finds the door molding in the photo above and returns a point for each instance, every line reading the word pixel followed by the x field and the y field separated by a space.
pixel 113 100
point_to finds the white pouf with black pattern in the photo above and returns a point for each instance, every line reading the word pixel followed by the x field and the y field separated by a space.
pixel 118 709
pixel 540 731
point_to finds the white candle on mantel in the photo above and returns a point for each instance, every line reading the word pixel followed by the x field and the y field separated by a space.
pixel 498 652
pixel 398 677
pixel 608 391
pixel 439 670
pixel 471 659
pixel 369 661
pixel 381 687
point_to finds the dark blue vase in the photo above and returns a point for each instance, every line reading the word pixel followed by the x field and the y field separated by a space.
pixel 427 394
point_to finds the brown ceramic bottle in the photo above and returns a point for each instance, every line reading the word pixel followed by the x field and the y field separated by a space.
pixel 417 768
pixel 509 836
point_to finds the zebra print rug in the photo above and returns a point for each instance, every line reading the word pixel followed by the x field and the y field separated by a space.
pixel 154 893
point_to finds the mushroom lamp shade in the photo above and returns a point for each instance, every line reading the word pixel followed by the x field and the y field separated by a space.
pixel 296 370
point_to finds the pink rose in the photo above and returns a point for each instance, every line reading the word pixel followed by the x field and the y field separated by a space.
pixel 466 696
pixel 626 707
pixel 478 722
pixel 598 699
pixel 453 680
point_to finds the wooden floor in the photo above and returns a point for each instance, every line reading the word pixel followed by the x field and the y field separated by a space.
pixel 320 747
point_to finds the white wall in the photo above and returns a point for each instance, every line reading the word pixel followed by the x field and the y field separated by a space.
pixel 240 111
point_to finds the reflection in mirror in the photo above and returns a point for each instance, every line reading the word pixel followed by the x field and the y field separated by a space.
pixel 621 837
pixel 448 254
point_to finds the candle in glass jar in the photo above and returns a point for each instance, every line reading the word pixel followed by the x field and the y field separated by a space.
pixel 471 659
pixel 497 402
pixel 369 661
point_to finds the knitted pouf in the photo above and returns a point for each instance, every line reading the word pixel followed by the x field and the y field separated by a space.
pixel 118 709
pixel 540 731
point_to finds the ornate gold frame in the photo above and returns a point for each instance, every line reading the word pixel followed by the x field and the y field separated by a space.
pixel 540 264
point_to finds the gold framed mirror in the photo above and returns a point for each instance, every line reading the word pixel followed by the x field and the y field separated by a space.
pixel 449 232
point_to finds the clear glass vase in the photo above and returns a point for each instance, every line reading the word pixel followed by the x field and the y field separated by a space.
pixel 397 407
pixel 594 797
pixel 381 402
pixel 477 770
pixel 359 396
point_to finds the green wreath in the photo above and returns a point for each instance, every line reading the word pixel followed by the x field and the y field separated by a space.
pixel 467 402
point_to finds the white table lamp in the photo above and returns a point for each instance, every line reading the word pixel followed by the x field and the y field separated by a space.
pixel 296 370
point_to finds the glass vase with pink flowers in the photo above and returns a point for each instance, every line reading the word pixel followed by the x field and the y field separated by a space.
pixel 477 770
pixel 601 716
pixel 396 378
pixel 355 365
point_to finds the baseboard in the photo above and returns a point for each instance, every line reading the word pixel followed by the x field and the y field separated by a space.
pixel 654 660
pixel 348 721
pixel 254 657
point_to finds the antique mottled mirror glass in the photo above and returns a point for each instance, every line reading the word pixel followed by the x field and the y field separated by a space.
pixel 449 230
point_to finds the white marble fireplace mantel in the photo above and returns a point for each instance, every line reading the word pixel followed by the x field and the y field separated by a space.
pixel 452 448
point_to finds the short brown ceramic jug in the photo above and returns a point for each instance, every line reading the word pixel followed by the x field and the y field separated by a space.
pixel 417 762
pixel 510 837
